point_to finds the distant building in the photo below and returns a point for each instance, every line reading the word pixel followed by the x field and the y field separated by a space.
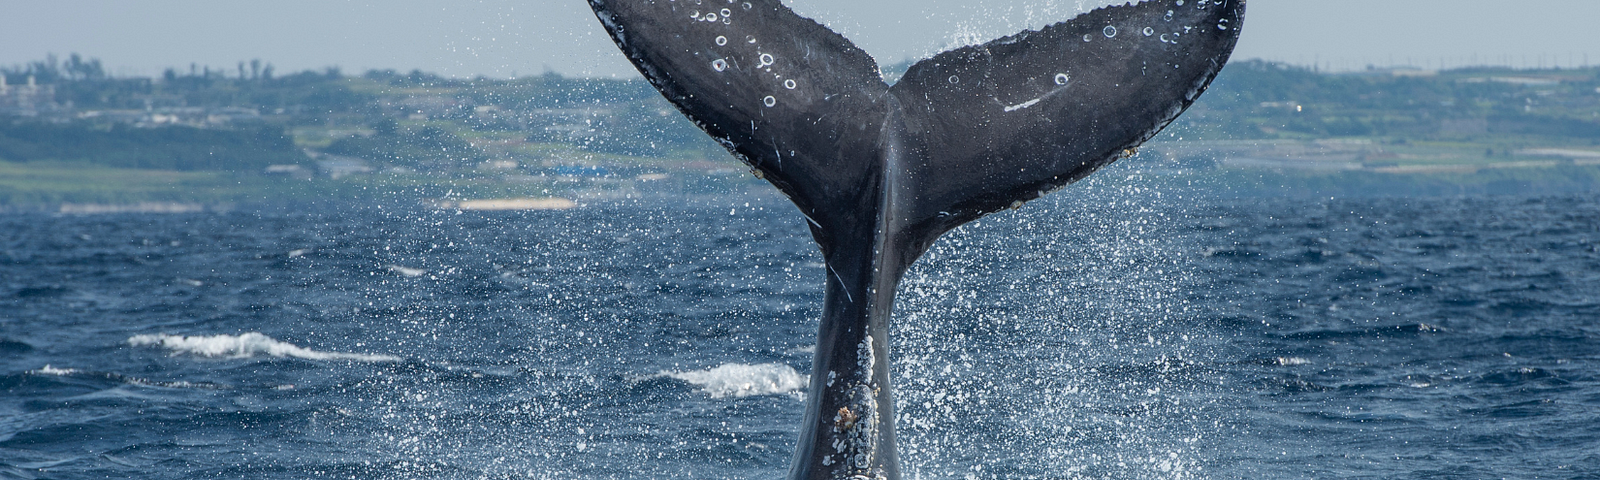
pixel 1527 81
pixel 1392 72
pixel 228 115
pixel 26 100
pixel 1523 81
pixel 197 117
pixel 113 116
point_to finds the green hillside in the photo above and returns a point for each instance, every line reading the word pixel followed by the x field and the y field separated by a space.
pixel 411 132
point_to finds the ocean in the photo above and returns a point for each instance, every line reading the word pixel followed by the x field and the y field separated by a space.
pixel 1115 330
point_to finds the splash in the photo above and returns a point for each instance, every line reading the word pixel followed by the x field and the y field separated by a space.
pixel 244 346
pixel 741 380
pixel 49 370
pixel 1110 385
pixel 406 271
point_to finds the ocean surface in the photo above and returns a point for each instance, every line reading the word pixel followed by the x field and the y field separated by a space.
pixel 1112 331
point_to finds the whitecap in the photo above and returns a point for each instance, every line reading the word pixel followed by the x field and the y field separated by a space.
pixel 741 380
pixel 406 272
pixel 246 345
pixel 49 370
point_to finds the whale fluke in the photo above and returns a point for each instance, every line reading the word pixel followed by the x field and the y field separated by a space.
pixel 882 171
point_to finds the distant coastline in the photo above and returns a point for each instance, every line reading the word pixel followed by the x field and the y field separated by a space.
pixel 72 136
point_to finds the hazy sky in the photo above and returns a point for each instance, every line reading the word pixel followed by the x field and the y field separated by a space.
pixel 504 37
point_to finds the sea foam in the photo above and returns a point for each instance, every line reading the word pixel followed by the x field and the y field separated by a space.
pixel 407 271
pixel 246 345
pixel 49 370
pixel 741 380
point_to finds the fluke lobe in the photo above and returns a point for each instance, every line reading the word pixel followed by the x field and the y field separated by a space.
pixel 881 171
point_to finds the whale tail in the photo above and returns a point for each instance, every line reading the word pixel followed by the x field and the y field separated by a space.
pixel 881 171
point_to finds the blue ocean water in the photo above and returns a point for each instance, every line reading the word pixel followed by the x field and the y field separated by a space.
pixel 1110 331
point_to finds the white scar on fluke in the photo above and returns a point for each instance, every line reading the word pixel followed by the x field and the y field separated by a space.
pixel 1023 105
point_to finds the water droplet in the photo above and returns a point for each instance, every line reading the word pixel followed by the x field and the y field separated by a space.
pixel 748 6
pixel 1180 3
pixel 954 79
pixel 750 39
pixel 711 17
pixel 719 64
pixel 1169 16
pixel 695 15
pixel 722 41
pixel 727 13
pixel 1062 78
pixel 1149 31
pixel 1164 38
pixel 766 60
pixel 789 84
pixel 1086 37
pixel 769 101
pixel 1109 31
pixel 727 21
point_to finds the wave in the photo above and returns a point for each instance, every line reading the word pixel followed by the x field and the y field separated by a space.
pixel 119 378
pixel 406 271
pixel 1291 361
pixel 246 345
pixel 49 370
pixel 741 380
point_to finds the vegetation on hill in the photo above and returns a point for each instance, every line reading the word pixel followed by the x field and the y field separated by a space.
pixel 521 134
pixel 182 148
pixel 1261 100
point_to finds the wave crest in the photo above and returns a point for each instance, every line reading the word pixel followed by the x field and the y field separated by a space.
pixel 741 380
pixel 246 345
